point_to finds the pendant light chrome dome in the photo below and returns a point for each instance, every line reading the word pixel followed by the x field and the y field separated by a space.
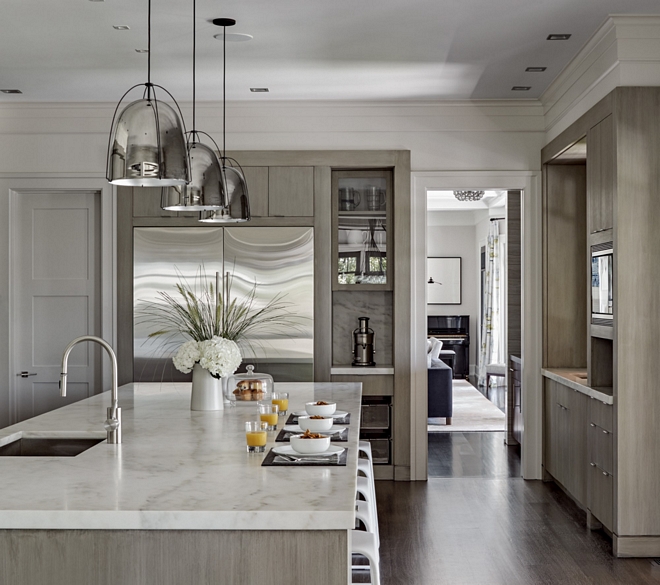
pixel 236 207
pixel 147 145
pixel 206 190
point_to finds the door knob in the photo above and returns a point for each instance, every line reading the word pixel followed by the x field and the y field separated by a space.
pixel 26 374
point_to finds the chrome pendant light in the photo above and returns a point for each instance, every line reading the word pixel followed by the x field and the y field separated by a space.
pixel 147 145
pixel 237 202
pixel 206 190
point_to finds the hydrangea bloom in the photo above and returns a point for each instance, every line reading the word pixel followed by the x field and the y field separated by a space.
pixel 186 357
pixel 219 356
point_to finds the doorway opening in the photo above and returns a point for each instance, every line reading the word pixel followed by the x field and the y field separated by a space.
pixel 473 327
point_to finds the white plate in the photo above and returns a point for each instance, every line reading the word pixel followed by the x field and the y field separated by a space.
pixel 337 414
pixel 297 429
pixel 288 450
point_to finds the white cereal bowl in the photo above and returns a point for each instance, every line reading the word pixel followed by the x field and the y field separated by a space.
pixel 316 425
pixel 321 409
pixel 309 446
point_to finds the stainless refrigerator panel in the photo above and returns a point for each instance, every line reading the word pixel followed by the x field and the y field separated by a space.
pixel 280 260
pixel 162 257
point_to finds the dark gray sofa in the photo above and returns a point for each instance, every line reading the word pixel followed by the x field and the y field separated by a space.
pixel 440 390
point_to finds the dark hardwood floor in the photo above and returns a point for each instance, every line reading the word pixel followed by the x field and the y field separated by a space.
pixel 472 455
pixel 481 524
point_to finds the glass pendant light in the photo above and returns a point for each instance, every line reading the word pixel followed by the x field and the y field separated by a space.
pixel 147 145
pixel 236 207
pixel 206 190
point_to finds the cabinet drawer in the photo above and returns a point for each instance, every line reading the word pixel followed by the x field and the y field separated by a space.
pixel 375 416
pixel 380 451
pixel 601 448
pixel 600 495
pixel 601 414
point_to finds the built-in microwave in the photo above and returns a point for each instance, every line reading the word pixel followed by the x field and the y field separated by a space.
pixel 602 279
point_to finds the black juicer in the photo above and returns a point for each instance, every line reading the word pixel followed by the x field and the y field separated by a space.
pixel 363 344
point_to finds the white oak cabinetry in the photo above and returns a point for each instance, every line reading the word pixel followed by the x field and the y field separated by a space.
pixel 612 153
pixel 566 437
pixel 600 180
pixel 295 188
pixel 363 251
pixel 274 192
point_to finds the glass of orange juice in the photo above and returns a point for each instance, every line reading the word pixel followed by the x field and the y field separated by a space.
pixel 255 435
pixel 268 413
pixel 282 400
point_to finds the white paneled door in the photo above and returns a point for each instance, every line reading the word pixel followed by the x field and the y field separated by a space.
pixel 55 267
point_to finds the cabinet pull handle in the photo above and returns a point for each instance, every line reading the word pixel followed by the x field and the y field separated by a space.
pixel 592 424
pixel 592 464
pixel 606 432
pixel 605 473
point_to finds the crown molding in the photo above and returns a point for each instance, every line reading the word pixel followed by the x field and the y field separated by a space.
pixel 624 51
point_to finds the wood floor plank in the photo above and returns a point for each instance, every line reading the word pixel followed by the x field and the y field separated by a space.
pixel 481 524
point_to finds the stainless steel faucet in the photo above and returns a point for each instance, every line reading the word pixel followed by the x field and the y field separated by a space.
pixel 113 422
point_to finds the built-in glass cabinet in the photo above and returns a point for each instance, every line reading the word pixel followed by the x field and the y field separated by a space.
pixel 361 218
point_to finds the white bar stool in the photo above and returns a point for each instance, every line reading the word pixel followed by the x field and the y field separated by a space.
pixel 364 447
pixel 364 543
pixel 364 515
pixel 366 490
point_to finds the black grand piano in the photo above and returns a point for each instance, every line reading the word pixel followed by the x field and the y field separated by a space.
pixel 454 332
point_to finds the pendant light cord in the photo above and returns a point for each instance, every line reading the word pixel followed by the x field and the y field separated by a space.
pixel 224 96
pixel 149 51
pixel 194 67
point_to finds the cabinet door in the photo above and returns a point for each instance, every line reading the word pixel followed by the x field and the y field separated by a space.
pixel 146 203
pixel 257 182
pixel 575 413
pixel 601 485
pixel 291 191
pixel 600 177
pixel 551 411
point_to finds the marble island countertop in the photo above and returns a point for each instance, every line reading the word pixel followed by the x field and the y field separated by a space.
pixel 176 469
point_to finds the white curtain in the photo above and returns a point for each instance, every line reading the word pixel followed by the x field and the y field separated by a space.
pixel 492 318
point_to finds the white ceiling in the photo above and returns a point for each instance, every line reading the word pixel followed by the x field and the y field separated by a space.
pixel 67 50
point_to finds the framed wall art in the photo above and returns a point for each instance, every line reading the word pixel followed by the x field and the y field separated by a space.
pixel 444 281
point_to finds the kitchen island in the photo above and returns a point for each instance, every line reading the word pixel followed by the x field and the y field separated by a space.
pixel 178 502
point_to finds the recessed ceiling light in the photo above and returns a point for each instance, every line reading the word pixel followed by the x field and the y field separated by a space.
pixel 558 37
pixel 536 69
pixel 121 27
pixel 234 37
pixel 141 50
pixel 521 88
pixel 259 89
pixel 11 91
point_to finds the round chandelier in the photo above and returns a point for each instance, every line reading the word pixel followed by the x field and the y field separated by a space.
pixel 468 195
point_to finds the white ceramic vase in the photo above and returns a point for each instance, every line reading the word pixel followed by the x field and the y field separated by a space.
pixel 206 390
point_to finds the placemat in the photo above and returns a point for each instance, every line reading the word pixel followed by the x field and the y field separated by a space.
pixel 273 460
pixel 284 436
pixel 293 420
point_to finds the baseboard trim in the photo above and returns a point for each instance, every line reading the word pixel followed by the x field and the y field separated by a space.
pixel 636 546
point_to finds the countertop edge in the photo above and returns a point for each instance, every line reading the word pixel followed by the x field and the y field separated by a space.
pixel 587 390
pixel 171 520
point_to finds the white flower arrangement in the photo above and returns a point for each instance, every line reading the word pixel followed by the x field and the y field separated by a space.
pixel 219 356
pixel 186 357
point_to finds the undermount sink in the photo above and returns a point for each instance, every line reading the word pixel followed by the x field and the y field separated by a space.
pixel 48 447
